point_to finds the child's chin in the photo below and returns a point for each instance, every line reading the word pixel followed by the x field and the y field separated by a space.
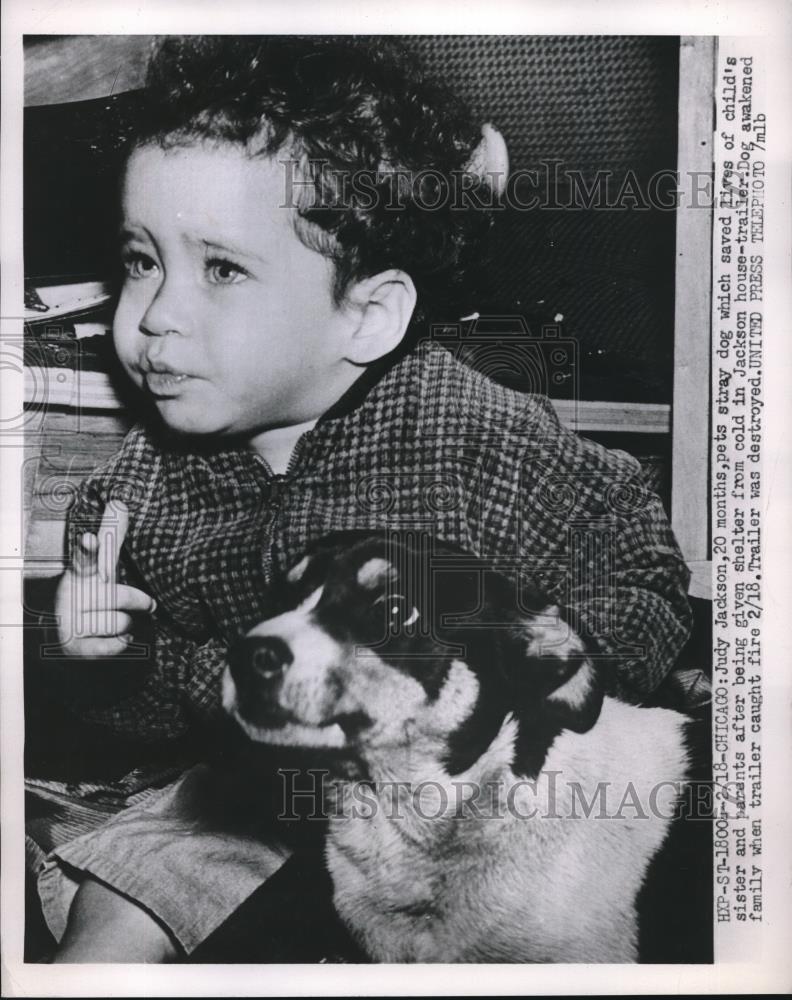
pixel 188 420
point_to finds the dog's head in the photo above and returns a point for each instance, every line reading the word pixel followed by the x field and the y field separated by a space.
pixel 389 641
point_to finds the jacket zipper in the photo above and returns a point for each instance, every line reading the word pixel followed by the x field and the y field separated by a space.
pixel 277 482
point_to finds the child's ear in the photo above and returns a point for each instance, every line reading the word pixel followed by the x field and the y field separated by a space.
pixel 383 305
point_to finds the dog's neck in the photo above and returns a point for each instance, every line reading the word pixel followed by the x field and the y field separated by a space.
pixel 412 791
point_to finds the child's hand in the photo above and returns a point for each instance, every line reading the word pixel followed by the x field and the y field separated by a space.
pixel 93 609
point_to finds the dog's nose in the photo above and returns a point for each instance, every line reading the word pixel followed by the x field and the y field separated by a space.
pixel 263 657
pixel 270 657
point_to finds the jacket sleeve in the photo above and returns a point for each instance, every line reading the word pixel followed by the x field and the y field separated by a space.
pixel 604 550
pixel 627 594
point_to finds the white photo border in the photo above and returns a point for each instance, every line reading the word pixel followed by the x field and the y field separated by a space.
pixel 766 20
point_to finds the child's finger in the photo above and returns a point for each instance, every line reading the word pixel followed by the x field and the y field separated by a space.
pixel 85 554
pixel 101 623
pixel 112 532
pixel 110 610
pixel 95 596
pixel 131 599
pixel 108 646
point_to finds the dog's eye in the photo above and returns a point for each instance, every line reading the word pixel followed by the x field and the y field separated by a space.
pixel 398 611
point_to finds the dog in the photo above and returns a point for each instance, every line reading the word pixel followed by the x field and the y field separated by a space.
pixel 506 809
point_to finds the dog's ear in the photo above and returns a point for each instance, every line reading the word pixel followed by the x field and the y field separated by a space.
pixel 312 566
pixel 559 672
pixel 576 703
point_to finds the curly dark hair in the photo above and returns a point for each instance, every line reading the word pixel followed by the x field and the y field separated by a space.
pixel 380 150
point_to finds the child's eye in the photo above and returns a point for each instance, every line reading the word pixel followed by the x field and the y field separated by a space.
pixel 138 265
pixel 224 272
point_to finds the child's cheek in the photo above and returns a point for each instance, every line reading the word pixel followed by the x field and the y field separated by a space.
pixel 126 338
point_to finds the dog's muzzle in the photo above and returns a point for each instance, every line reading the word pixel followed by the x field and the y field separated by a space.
pixel 252 689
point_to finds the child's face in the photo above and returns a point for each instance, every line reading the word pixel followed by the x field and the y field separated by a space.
pixel 226 320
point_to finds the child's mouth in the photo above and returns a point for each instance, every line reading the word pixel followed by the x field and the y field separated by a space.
pixel 165 383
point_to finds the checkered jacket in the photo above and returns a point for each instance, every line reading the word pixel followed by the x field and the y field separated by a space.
pixel 428 444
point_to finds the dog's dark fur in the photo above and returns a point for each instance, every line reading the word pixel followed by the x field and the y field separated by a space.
pixel 430 669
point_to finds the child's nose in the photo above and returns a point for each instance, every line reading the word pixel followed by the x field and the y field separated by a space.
pixel 167 312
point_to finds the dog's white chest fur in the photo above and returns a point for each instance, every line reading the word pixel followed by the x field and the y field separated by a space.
pixel 529 877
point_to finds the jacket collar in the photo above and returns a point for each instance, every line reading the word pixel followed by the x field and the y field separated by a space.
pixel 369 378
